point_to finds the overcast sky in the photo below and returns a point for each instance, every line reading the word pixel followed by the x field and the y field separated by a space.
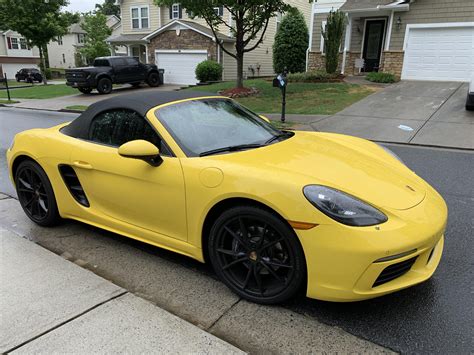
pixel 82 5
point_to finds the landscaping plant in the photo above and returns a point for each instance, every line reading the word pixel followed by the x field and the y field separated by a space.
pixel 332 34
pixel 385 78
pixel 208 70
pixel 97 32
pixel 291 43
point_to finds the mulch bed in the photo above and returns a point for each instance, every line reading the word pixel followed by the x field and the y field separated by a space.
pixel 239 92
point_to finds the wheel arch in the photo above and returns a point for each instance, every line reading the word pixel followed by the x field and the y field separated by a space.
pixel 18 160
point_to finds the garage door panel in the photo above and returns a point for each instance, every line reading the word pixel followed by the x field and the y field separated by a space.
pixel 439 53
pixel 179 67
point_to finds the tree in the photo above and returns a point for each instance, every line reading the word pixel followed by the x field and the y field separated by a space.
pixel 97 31
pixel 332 35
pixel 250 20
pixel 291 43
pixel 38 21
pixel 108 8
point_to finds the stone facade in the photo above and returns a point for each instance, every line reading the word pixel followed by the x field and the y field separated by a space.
pixel 393 62
pixel 184 39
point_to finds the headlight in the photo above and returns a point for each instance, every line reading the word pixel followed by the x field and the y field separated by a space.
pixel 343 207
pixel 391 153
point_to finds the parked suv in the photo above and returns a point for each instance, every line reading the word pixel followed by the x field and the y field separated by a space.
pixel 112 70
pixel 29 75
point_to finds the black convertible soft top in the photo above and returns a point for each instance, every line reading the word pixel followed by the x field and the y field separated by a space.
pixel 141 102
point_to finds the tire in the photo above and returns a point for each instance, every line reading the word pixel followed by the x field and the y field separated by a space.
pixel 39 79
pixel 18 79
pixel 268 266
pixel 36 194
pixel 104 86
pixel 153 79
pixel 85 90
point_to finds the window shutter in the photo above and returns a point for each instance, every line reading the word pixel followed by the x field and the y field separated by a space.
pixel 171 12
pixel 9 41
pixel 180 11
pixel 221 10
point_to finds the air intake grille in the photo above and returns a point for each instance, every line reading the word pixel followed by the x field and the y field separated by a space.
pixel 393 271
pixel 72 182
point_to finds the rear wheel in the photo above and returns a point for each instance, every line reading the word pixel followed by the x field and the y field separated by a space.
pixel 85 90
pixel 104 86
pixel 257 255
pixel 153 79
pixel 36 194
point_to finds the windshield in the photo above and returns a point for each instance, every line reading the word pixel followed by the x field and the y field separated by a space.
pixel 205 125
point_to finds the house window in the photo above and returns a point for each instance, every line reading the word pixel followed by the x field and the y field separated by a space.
pixel 219 10
pixel 175 11
pixel 140 17
pixel 81 38
pixel 60 40
pixel 279 16
pixel 23 44
pixel 14 43
pixel 322 47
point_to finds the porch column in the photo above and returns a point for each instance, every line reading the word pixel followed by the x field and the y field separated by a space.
pixel 347 43
pixel 129 51
pixel 146 53
pixel 389 32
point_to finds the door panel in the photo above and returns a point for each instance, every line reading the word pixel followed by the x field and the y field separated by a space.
pixel 373 41
pixel 131 190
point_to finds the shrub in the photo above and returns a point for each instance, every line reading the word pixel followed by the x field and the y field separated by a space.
pixel 209 70
pixel 381 77
pixel 47 73
pixel 291 43
pixel 312 76
pixel 332 34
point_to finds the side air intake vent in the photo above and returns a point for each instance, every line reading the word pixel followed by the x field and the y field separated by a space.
pixel 73 184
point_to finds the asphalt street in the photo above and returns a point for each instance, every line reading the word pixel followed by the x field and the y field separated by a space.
pixel 434 317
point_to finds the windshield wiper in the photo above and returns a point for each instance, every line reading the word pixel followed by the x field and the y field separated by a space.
pixel 278 136
pixel 232 148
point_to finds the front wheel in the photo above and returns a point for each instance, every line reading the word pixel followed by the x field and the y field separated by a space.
pixel 257 255
pixel 104 86
pixel 36 194
pixel 153 79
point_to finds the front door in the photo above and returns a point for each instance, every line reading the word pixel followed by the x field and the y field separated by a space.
pixel 128 190
pixel 373 41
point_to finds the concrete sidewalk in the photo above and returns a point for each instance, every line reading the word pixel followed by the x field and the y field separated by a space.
pixel 50 305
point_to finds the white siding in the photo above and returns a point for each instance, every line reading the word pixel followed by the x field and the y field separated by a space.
pixel 68 49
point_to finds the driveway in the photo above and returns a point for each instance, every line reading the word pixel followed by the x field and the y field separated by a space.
pixel 415 112
pixel 61 102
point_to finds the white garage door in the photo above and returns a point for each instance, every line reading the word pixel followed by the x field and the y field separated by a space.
pixel 10 69
pixel 445 53
pixel 180 66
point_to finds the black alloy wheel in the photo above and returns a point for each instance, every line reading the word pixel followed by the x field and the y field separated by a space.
pixel 104 86
pixel 257 255
pixel 153 79
pixel 35 194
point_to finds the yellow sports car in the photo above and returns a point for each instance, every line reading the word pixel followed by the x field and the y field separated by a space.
pixel 273 211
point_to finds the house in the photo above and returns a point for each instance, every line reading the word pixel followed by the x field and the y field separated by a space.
pixel 173 40
pixel 63 52
pixel 414 39
pixel 16 54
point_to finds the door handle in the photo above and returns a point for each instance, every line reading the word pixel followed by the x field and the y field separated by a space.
pixel 82 165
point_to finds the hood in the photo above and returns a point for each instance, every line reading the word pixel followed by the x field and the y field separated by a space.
pixel 355 166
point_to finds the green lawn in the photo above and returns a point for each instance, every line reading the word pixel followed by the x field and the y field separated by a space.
pixel 40 92
pixel 6 101
pixel 12 83
pixel 77 107
pixel 301 98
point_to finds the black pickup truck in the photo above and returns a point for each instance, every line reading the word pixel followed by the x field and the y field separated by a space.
pixel 112 70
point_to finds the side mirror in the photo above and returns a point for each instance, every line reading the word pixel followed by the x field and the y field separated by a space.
pixel 264 118
pixel 141 149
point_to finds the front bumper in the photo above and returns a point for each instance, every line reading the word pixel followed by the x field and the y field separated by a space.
pixel 343 262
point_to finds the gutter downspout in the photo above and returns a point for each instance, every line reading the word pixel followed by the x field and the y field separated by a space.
pixel 310 44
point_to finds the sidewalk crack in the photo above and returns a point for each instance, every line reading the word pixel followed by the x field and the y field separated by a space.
pixel 66 322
